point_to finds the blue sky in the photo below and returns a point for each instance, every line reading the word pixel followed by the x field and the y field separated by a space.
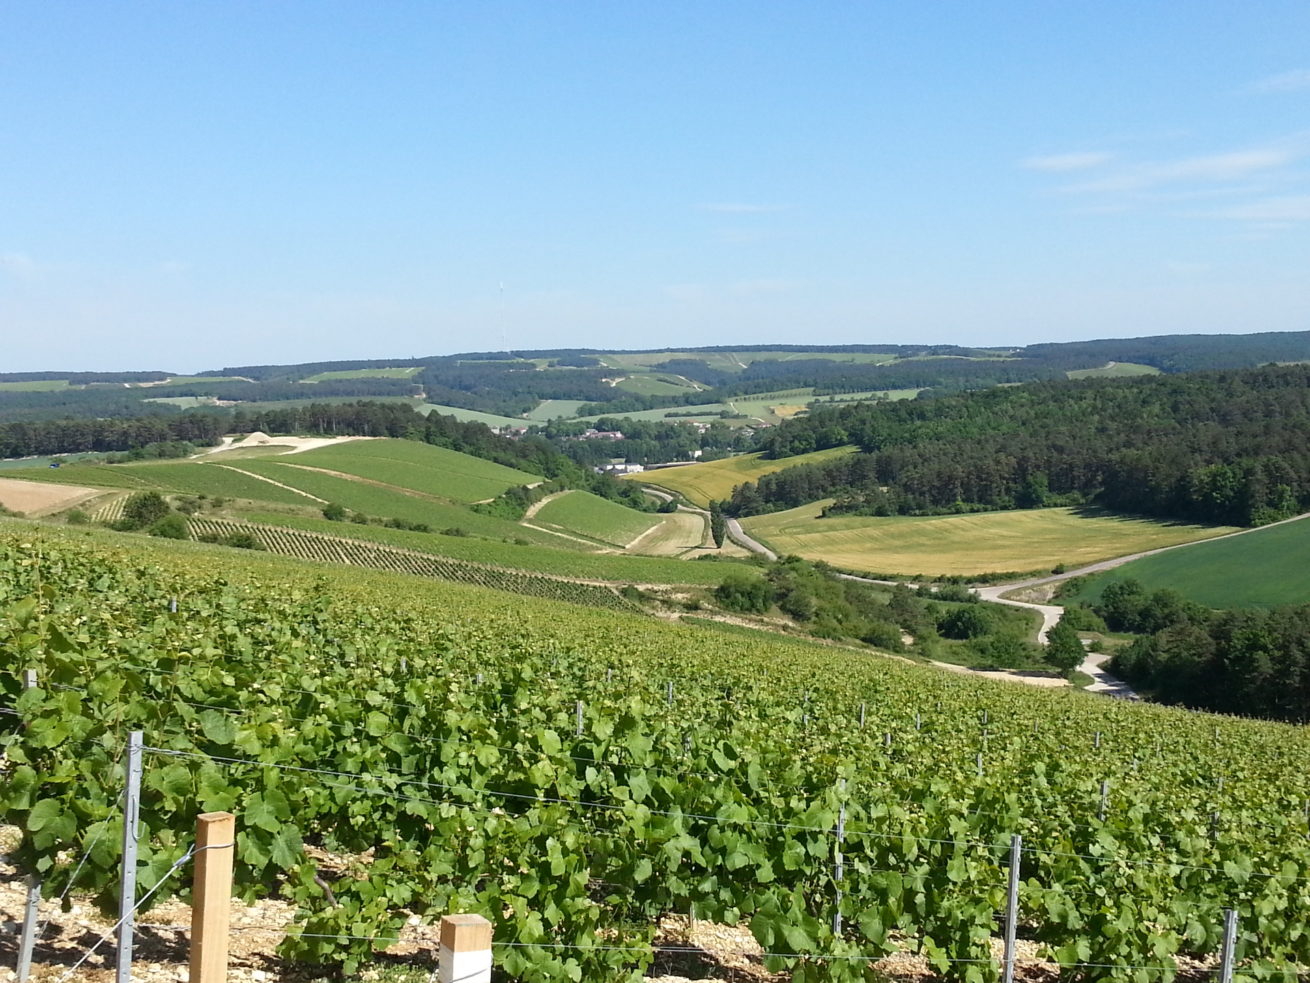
pixel 188 185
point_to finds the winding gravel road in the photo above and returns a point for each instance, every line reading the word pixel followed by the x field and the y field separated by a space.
pixel 1102 681
pixel 735 531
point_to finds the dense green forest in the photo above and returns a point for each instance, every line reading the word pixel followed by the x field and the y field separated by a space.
pixel 106 401
pixel 1226 447
pixel 42 437
pixel 1253 663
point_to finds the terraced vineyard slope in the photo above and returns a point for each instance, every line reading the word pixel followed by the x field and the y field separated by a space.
pixel 574 774
pixel 585 514
pixel 352 552
pixel 419 467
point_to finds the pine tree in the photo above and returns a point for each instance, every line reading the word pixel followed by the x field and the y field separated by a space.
pixel 718 524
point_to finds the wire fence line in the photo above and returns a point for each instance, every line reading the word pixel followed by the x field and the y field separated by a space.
pixel 331 776
pixel 353 777
pixel 177 865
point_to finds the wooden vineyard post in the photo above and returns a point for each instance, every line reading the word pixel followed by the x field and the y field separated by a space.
pixel 212 896
pixel 465 954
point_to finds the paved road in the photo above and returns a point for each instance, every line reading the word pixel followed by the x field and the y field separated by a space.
pixel 739 536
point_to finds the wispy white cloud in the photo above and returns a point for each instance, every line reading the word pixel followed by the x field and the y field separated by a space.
pixel 1297 80
pixel 764 285
pixel 1285 209
pixel 17 264
pixel 1078 161
pixel 1236 165
pixel 739 208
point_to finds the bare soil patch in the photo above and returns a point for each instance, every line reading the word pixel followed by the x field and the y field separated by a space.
pixel 292 445
pixel 34 498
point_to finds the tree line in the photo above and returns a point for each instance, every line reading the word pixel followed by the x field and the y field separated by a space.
pixel 107 401
pixel 52 437
pixel 1253 663
pixel 1226 447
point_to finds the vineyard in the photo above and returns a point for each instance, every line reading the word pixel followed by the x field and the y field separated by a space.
pixel 584 514
pixel 521 555
pixel 420 467
pixel 110 511
pixel 333 549
pixel 574 774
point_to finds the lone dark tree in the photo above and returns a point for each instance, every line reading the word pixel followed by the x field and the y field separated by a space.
pixel 141 510
pixel 718 524
pixel 1064 650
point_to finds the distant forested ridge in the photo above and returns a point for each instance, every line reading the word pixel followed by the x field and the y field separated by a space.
pixel 513 383
pixel 84 378
pixel 1227 447
pixel 1179 353
pixel 117 401
pixel 45 437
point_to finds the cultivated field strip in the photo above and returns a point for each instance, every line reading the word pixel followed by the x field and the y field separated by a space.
pixel 111 510
pixel 332 549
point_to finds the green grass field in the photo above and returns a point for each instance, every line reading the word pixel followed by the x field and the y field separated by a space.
pixel 91 475
pixel 653 385
pixel 1113 370
pixel 585 514
pixel 31 463
pixel 734 361
pixel 770 411
pixel 185 402
pixel 176 477
pixel 700 483
pixel 473 416
pixel 178 380
pixel 891 394
pixel 36 386
pixel 704 412
pixel 1265 568
pixel 968 545
pixel 419 467
pixel 553 409
pixel 258 405
pixel 403 373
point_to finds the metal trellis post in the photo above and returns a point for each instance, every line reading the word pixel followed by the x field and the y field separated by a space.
pixel 127 893
pixel 1012 906
pixel 28 943
pixel 1229 946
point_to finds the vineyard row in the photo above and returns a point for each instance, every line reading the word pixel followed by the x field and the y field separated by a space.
pixel 331 549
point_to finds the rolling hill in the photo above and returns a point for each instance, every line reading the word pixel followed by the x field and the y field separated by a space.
pixel 1264 568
